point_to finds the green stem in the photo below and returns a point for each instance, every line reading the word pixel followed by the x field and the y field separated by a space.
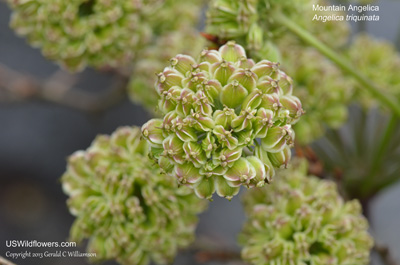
pixel 339 60
pixel 379 155
pixel 389 131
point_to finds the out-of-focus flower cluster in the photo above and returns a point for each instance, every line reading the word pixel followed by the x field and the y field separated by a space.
pixel 124 206
pixel 300 219
pixel 81 32
pixel 227 121
pixel 380 61
pixel 176 15
pixel 98 32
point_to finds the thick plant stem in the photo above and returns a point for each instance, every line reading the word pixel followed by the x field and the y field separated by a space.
pixel 340 61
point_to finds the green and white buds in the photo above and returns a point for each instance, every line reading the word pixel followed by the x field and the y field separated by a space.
pixel 226 121
pixel 124 206
pixel 303 220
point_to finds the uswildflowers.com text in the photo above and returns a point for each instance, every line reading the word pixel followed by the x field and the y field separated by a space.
pixel 37 244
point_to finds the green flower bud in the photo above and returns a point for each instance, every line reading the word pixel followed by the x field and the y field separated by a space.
pixel 269 168
pixel 241 172
pixel 182 63
pixel 187 173
pixel 281 158
pixel 293 105
pixel 225 137
pixel 225 190
pixel 194 153
pixel 220 114
pixel 152 131
pixel 168 79
pixel 233 94
pixel 226 157
pixel 277 138
pixel 210 56
pixel 224 117
pixel 300 219
pixel 246 78
pixel 173 149
pixel 261 174
pixel 232 52
pixel 264 121
pixel 205 188
pixel 266 69
pixel 222 71
pixel 124 205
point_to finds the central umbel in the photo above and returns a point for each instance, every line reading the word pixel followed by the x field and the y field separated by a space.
pixel 227 121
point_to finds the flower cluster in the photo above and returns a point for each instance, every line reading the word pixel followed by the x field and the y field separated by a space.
pixel 127 209
pixel 227 121
pixel 380 61
pixel 301 219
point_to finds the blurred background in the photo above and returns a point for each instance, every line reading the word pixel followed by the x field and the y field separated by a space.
pixel 36 137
